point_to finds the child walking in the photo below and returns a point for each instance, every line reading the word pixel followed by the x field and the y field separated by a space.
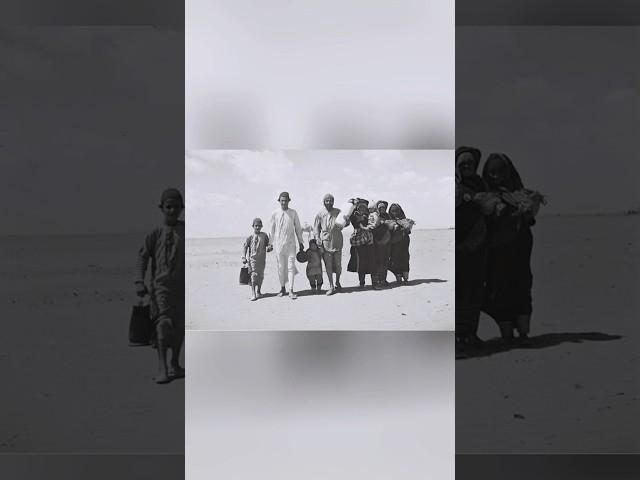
pixel 314 266
pixel 164 247
pixel 254 254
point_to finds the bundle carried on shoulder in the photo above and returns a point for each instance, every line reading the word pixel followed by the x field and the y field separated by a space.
pixel 489 202
pixel 346 210
pixel 360 237
pixel 525 200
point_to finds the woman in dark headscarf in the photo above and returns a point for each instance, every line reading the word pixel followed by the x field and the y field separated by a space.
pixel 509 279
pixel 363 259
pixel 399 255
pixel 471 235
pixel 380 227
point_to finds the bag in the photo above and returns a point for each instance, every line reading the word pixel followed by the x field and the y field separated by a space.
pixel 140 326
pixel 361 237
pixel 244 276
pixel 302 256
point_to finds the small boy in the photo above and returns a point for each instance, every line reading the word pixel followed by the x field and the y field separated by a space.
pixel 314 266
pixel 256 246
pixel 164 246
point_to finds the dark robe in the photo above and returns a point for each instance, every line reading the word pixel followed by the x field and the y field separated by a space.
pixel 509 279
pixel 471 236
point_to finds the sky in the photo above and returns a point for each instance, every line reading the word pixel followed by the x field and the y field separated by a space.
pixel 91 127
pixel 320 74
pixel 227 189
pixel 562 102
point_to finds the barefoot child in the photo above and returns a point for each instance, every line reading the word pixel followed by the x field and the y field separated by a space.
pixel 256 246
pixel 164 246
pixel 314 266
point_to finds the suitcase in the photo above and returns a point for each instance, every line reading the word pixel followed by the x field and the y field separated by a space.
pixel 244 276
pixel 140 325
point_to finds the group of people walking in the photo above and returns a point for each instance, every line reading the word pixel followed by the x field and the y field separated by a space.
pixel 379 243
pixel 494 216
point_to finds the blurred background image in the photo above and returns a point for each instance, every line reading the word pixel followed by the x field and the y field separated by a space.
pixel 562 103
pixel 319 74
pixel 349 405
pixel 91 135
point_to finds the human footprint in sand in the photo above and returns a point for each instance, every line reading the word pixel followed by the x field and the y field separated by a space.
pixel 254 254
pixel 164 246
pixel 285 228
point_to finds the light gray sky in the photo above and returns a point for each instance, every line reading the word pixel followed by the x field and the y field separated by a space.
pixel 227 189
pixel 563 102
pixel 319 74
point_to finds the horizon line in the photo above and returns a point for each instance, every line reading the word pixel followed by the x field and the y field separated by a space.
pixel 623 213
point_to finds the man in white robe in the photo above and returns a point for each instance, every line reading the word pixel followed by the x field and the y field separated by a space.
pixel 285 228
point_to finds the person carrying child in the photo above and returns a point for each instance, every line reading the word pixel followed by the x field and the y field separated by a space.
pixel 254 253
pixel 164 247
pixel 314 266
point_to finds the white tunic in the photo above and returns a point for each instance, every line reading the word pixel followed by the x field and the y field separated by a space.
pixel 285 227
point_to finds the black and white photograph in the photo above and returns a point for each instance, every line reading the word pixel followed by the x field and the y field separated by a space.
pixel 319 74
pixel 547 224
pixel 320 240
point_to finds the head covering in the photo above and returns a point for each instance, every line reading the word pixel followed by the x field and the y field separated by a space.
pixel 362 200
pixel 257 219
pixel 386 204
pixel 327 196
pixel 360 204
pixel 171 193
pixel 477 154
pixel 313 241
pixel 284 194
pixel 401 214
pixel 512 180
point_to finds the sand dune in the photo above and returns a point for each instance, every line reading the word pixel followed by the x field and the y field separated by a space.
pixel 215 300
pixel 71 382
pixel 578 389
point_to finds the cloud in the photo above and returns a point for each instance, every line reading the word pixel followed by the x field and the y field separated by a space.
pixel 269 168
pixel 386 160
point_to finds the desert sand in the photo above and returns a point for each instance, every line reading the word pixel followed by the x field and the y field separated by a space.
pixel 71 383
pixel 578 389
pixel 216 301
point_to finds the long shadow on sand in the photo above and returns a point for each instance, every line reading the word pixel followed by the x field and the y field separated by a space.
pixel 392 285
pixel 495 345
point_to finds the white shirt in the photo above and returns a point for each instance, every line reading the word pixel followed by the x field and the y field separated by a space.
pixel 285 227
